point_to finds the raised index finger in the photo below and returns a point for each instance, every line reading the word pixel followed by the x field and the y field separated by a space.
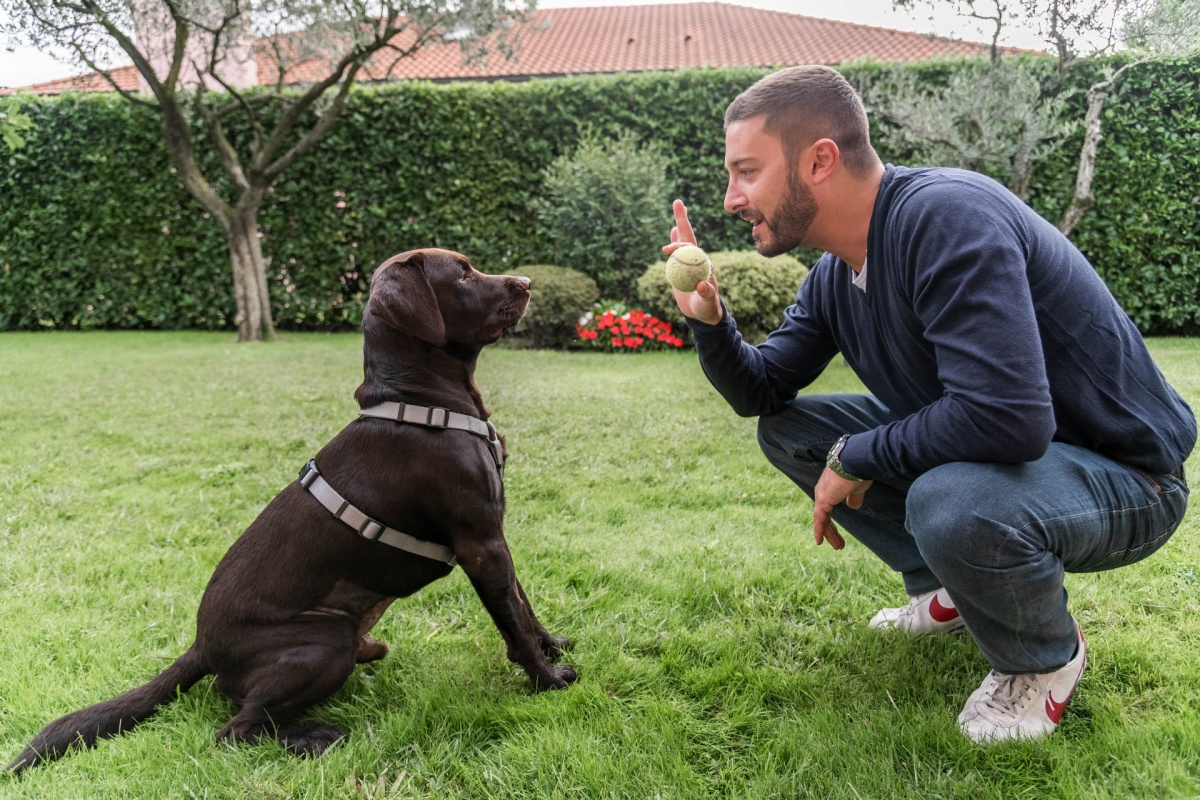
pixel 682 232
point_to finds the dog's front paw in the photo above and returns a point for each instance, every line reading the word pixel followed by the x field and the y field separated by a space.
pixel 555 646
pixel 559 676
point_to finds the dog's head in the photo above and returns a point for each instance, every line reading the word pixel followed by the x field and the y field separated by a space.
pixel 438 297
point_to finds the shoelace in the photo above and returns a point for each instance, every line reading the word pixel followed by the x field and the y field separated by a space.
pixel 905 616
pixel 1010 693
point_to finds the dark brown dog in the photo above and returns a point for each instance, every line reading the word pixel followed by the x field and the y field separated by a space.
pixel 286 614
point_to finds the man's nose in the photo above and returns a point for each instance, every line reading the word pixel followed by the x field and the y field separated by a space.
pixel 734 200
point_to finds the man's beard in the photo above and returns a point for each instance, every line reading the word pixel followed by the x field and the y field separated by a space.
pixel 792 219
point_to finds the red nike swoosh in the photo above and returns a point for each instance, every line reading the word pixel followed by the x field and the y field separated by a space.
pixel 940 613
pixel 1055 710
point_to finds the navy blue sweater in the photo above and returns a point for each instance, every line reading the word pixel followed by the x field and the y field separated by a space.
pixel 982 328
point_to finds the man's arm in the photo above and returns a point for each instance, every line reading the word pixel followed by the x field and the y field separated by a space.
pixel 760 380
pixel 963 261
pixel 753 384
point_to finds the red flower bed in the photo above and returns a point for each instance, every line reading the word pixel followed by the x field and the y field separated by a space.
pixel 610 329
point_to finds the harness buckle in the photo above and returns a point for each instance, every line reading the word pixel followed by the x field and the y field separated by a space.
pixel 308 473
pixel 445 423
pixel 370 529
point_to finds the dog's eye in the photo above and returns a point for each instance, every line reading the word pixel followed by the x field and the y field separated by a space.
pixel 465 275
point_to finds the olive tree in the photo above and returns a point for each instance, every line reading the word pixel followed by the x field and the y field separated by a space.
pixel 995 118
pixel 1073 30
pixel 198 63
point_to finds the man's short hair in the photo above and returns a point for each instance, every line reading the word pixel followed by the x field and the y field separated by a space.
pixel 806 103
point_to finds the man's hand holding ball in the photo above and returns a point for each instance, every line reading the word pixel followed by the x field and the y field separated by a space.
pixel 700 301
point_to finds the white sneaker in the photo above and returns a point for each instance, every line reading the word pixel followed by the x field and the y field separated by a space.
pixel 931 612
pixel 1021 706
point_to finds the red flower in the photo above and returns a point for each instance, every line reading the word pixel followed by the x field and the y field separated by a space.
pixel 631 331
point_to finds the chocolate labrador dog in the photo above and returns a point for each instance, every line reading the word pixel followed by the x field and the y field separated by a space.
pixel 399 496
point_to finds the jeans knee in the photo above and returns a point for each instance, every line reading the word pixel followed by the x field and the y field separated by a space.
pixel 790 456
pixel 937 515
pixel 781 442
pixel 964 516
pixel 768 435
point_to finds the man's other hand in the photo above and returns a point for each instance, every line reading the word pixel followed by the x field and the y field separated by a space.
pixel 831 490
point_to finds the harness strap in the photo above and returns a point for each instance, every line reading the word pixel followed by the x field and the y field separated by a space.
pixel 440 418
pixel 365 526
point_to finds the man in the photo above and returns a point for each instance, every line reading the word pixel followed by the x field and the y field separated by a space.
pixel 1016 428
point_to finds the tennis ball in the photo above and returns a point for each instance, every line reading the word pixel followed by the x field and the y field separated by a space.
pixel 687 266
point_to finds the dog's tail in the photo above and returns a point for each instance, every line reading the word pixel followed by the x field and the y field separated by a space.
pixel 112 717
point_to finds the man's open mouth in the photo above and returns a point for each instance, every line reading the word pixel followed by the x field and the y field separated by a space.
pixel 757 221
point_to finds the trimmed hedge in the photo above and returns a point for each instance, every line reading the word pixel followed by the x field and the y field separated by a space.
pixel 756 290
pixel 1143 233
pixel 95 231
pixel 559 297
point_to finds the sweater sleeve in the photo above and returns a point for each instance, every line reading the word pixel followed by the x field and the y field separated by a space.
pixel 761 380
pixel 959 262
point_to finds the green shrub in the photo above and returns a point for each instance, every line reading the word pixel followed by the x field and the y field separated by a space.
pixel 559 297
pixel 606 208
pixel 756 290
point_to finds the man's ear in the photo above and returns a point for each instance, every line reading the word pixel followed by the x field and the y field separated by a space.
pixel 402 298
pixel 822 156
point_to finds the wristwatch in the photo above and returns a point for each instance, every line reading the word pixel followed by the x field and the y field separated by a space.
pixel 833 460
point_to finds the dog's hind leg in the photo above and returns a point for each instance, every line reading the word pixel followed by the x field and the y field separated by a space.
pixel 372 649
pixel 291 682
pixel 252 724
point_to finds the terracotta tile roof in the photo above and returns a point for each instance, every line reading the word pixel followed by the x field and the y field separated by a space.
pixel 673 36
pixel 126 77
pixel 628 39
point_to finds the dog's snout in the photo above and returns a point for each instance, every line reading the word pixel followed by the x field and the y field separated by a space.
pixel 522 282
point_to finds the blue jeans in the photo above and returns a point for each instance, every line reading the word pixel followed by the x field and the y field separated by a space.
pixel 998 537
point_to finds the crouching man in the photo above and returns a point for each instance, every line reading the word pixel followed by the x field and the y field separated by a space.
pixel 1016 426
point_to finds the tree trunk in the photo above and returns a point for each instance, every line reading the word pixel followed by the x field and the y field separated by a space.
pixel 253 302
pixel 1083 198
pixel 240 223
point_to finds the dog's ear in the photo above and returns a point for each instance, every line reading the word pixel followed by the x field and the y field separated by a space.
pixel 402 298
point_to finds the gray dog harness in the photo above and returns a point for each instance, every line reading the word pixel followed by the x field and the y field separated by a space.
pixel 440 418
pixel 370 528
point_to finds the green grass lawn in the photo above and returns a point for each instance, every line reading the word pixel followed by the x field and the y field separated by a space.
pixel 721 654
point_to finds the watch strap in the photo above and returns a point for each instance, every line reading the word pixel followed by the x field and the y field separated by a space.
pixel 834 462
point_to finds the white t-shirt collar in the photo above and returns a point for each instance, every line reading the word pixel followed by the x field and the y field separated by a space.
pixel 860 278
